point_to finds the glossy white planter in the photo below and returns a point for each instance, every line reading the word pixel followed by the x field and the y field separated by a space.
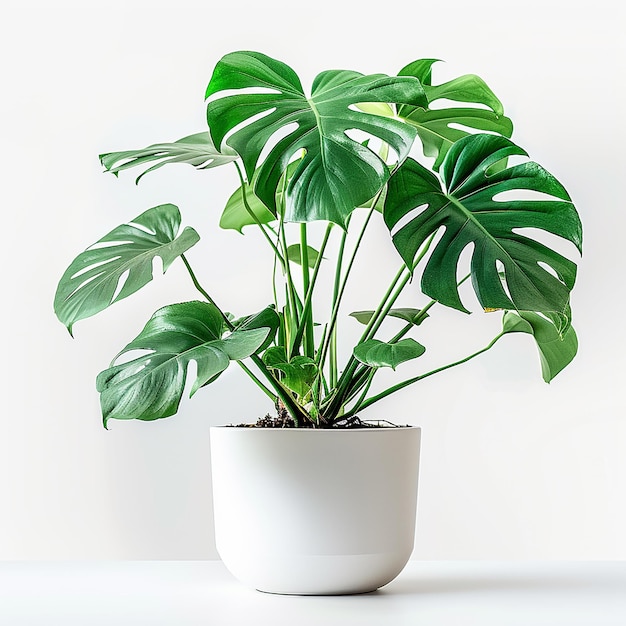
pixel 300 511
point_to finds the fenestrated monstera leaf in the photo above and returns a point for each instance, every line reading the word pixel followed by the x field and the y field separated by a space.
pixel 438 128
pixel 556 350
pixel 197 150
pixel 337 173
pixel 536 277
pixel 92 282
pixel 150 387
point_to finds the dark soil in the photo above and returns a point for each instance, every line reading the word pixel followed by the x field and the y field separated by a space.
pixel 282 419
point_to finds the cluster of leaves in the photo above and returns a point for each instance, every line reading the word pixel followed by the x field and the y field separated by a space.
pixel 350 144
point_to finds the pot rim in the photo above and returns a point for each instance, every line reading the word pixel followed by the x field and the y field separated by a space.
pixel 367 429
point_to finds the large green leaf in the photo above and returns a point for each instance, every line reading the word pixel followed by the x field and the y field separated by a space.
pixel 377 353
pixel 438 128
pixel 151 386
pixel 535 277
pixel 197 150
pixel 556 350
pixel 337 173
pixel 120 263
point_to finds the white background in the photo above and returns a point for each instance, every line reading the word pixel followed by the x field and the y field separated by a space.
pixel 511 468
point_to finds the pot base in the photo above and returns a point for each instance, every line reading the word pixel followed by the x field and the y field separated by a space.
pixel 319 575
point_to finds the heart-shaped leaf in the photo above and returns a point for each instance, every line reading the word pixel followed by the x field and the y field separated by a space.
pixel 377 353
pixel 413 316
pixel 439 128
pixel 120 263
pixel 556 350
pixel 197 150
pixel 337 173
pixel 295 256
pixel 298 373
pixel 536 278
pixel 151 386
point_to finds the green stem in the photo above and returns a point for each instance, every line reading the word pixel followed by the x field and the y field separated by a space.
pixel 361 373
pixel 332 363
pixel 367 379
pixel 307 313
pixel 348 383
pixel 198 286
pixel 296 411
pixel 259 384
pixel 410 381
pixel 385 305
pixel 292 320
pixel 344 282
pixel 255 218
pixel 307 306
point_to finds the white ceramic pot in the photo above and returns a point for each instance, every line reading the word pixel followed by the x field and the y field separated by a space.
pixel 312 512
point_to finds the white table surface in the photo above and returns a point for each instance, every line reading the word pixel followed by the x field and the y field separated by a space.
pixel 429 593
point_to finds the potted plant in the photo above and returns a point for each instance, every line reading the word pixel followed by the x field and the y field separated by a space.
pixel 358 149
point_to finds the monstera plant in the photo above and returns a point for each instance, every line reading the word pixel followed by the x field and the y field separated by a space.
pixel 432 161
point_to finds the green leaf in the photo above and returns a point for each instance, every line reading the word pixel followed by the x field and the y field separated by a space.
pixel 294 254
pixel 197 150
pixel 337 173
pixel 120 263
pixel 536 278
pixel 151 386
pixel 235 215
pixel 406 314
pixel 377 353
pixel 556 350
pixel 298 374
pixel 268 318
pixel 435 126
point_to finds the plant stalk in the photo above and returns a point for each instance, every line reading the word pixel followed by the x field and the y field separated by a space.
pixel 295 411
pixel 410 381
pixel 256 219
pixel 307 312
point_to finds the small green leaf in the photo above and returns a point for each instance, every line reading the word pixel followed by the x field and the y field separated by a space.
pixel 406 314
pixel 235 215
pixel 197 150
pixel 556 350
pixel 297 375
pixel 150 387
pixel 377 353
pixel 120 263
pixel 267 318
pixel 294 254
